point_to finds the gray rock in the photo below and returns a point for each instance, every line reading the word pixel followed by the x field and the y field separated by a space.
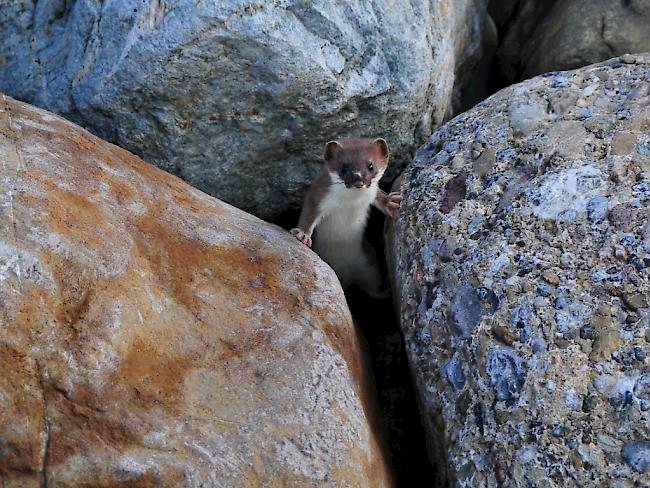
pixel 466 311
pixel 238 98
pixel 597 209
pixel 559 35
pixel 506 372
pixel 453 371
pixel 637 455
pixel 556 355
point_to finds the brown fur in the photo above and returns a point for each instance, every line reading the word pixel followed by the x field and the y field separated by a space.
pixel 350 159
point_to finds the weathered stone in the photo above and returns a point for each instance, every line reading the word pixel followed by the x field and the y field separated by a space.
pixel 527 115
pixel 553 35
pixel 637 455
pixel 506 372
pixel 597 209
pixel 504 334
pixel 151 335
pixel 551 277
pixel 238 98
pixel 545 230
pixel 466 311
pixel 605 343
pixel 455 191
pixel 622 216
pixel 635 300
pixel 623 143
pixel 453 371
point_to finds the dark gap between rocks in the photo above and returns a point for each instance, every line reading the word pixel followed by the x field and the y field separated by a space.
pixel 377 320
pixel 504 13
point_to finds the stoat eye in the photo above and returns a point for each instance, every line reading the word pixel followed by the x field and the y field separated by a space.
pixel 371 167
pixel 344 169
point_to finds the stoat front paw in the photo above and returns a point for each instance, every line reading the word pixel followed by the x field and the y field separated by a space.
pixel 394 199
pixel 301 236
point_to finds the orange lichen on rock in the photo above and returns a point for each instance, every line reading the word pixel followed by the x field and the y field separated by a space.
pixel 155 336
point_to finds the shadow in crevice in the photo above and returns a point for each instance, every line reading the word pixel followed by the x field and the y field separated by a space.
pixel 503 13
pixel 399 415
pixel 378 321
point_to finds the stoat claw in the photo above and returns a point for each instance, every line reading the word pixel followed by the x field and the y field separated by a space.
pixel 394 199
pixel 301 236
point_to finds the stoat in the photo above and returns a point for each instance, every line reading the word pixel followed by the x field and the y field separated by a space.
pixel 337 206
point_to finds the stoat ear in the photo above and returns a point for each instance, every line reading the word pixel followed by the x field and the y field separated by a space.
pixel 332 149
pixel 381 147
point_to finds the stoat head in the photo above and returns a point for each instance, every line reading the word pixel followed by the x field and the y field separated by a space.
pixel 357 163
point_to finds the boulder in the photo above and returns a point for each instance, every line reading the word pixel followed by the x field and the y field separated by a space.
pixel 521 260
pixel 559 35
pixel 238 98
pixel 155 336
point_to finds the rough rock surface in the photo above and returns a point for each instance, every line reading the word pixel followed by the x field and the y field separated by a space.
pixel 238 97
pixel 521 256
pixel 151 335
pixel 565 34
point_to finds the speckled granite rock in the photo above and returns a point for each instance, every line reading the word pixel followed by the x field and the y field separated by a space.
pixel 151 335
pixel 521 256
pixel 237 97
pixel 551 35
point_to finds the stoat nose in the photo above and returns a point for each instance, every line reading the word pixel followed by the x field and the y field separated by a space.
pixel 357 179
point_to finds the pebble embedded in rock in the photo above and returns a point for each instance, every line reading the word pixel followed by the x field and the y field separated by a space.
pixel 621 216
pixel 505 334
pixel 640 353
pixel 507 373
pixel 455 191
pixel 466 311
pixel 605 344
pixel 527 115
pixel 635 300
pixel 589 403
pixel 597 209
pixel 544 290
pixel 587 332
pixel 551 277
pixel 453 371
pixel 637 455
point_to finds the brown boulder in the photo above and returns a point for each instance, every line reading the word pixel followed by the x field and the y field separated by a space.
pixel 155 336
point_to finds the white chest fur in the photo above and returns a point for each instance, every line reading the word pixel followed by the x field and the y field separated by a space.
pixel 344 214
pixel 339 232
